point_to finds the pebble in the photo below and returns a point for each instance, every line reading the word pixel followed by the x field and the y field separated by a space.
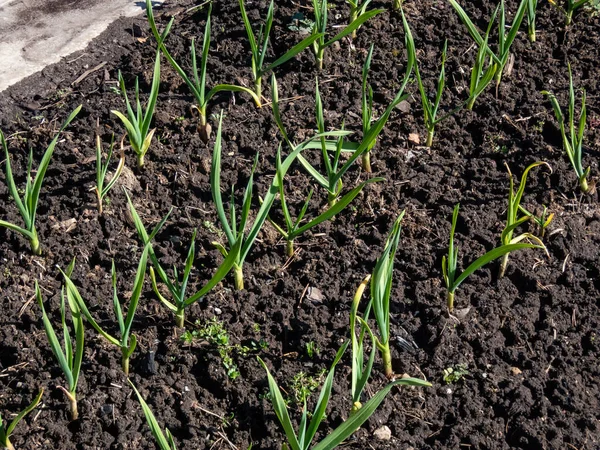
pixel 404 106
pixel 414 138
pixel 218 311
pixel 383 433
pixel 516 371
pixel 315 294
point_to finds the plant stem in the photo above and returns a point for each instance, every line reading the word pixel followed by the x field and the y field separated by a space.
pixel 258 87
pixel 397 4
pixel 366 161
pixel 289 248
pixel 180 318
pixel 353 12
pixel 450 299
pixel 470 103
pixel 532 34
pixel 503 265
pixel 125 362
pixel 72 403
pixel 239 277
pixel 386 355
pixel 430 134
pixel 35 242
pixel 583 185
pixel 140 160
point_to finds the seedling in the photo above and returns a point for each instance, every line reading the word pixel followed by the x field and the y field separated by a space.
pixel 381 292
pixel 531 13
pixel 197 81
pixel 430 108
pixel 568 7
pixel 27 205
pixel 127 340
pixel 259 44
pixel 164 442
pixel 455 374
pixel 573 140
pixel 512 215
pixel 542 221
pixel 361 372
pixel 101 188
pixel 449 261
pixel 69 359
pixel 302 439
pixel 137 122
pixel 482 72
pixel 357 8
pixel 178 287
pixel 312 349
pixel 5 432
pixel 321 10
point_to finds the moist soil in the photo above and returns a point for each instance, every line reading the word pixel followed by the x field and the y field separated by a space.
pixel 529 341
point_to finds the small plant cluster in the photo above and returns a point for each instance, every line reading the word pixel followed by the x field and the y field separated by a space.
pixel 240 225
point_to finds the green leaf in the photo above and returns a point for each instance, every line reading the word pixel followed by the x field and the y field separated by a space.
pixel 23 413
pixel 163 443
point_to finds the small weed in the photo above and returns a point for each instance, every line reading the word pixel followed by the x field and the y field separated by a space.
pixel 312 349
pixel 303 385
pixel 455 374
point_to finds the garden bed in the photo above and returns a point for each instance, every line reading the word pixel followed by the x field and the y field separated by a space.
pixel 529 342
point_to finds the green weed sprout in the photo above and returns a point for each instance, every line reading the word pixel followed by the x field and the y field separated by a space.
pixel 430 108
pixel 321 10
pixel 361 372
pixel 512 215
pixel 197 81
pixel 69 359
pixel 302 439
pixel 27 205
pixel 542 221
pixel 127 341
pixel 357 8
pixel 568 7
pixel 381 291
pixel 449 261
pixel 482 72
pixel 164 442
pixel 178 286
pixel 137 123
pixel 6 432
pixel 531 13
pixel 573 139
pixel 259 44
pixel 101 188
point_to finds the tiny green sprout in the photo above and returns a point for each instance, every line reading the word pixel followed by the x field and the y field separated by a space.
pixel 573 139
pixel 531 13
pixel 542 221
pixel 568 7
pixel 101 188
pixel 357 9
pixel 28 204
pixel 321 11
pixel 450 261
pixel 137 122
pixel 312 349
pixel 127 341
pixel 196 82
pixel 164 442
pixel 260 43
pixel 5 432
pixel 455 374
pixel 303 385
pixel 70 358
pixel 512 215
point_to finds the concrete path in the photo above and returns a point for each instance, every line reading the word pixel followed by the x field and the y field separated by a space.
pixel 36 33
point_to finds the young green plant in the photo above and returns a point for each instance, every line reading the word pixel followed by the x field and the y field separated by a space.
pixel 512 215
pixel 568 7
pixel 573 139
pixel 137 122
pixel 430 108
pixel 196 82
pixel 259 44
pixel 361 372
pixel 127 340
pixel 28 205
pixel 302 439
pixel 102 187
pixel 70 358
pixel 321 10
pixel 449 261
pixel 357 9
pixel 5 432
pixel 483 72
pixel 531 13
pixel 542 221
pixel 177 286
pixel 164 442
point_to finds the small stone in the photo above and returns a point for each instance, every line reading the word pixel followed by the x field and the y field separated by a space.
pixel 336 47
pixel 218 311
pixel 383 433
pixel 315 295
pixel 516 371
pixel 404 106
pixel 414 138
pixel 107 409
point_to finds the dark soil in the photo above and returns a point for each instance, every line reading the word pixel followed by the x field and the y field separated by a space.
pixel 529 341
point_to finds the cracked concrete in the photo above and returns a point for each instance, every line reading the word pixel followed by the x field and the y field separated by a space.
pixel 36 33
